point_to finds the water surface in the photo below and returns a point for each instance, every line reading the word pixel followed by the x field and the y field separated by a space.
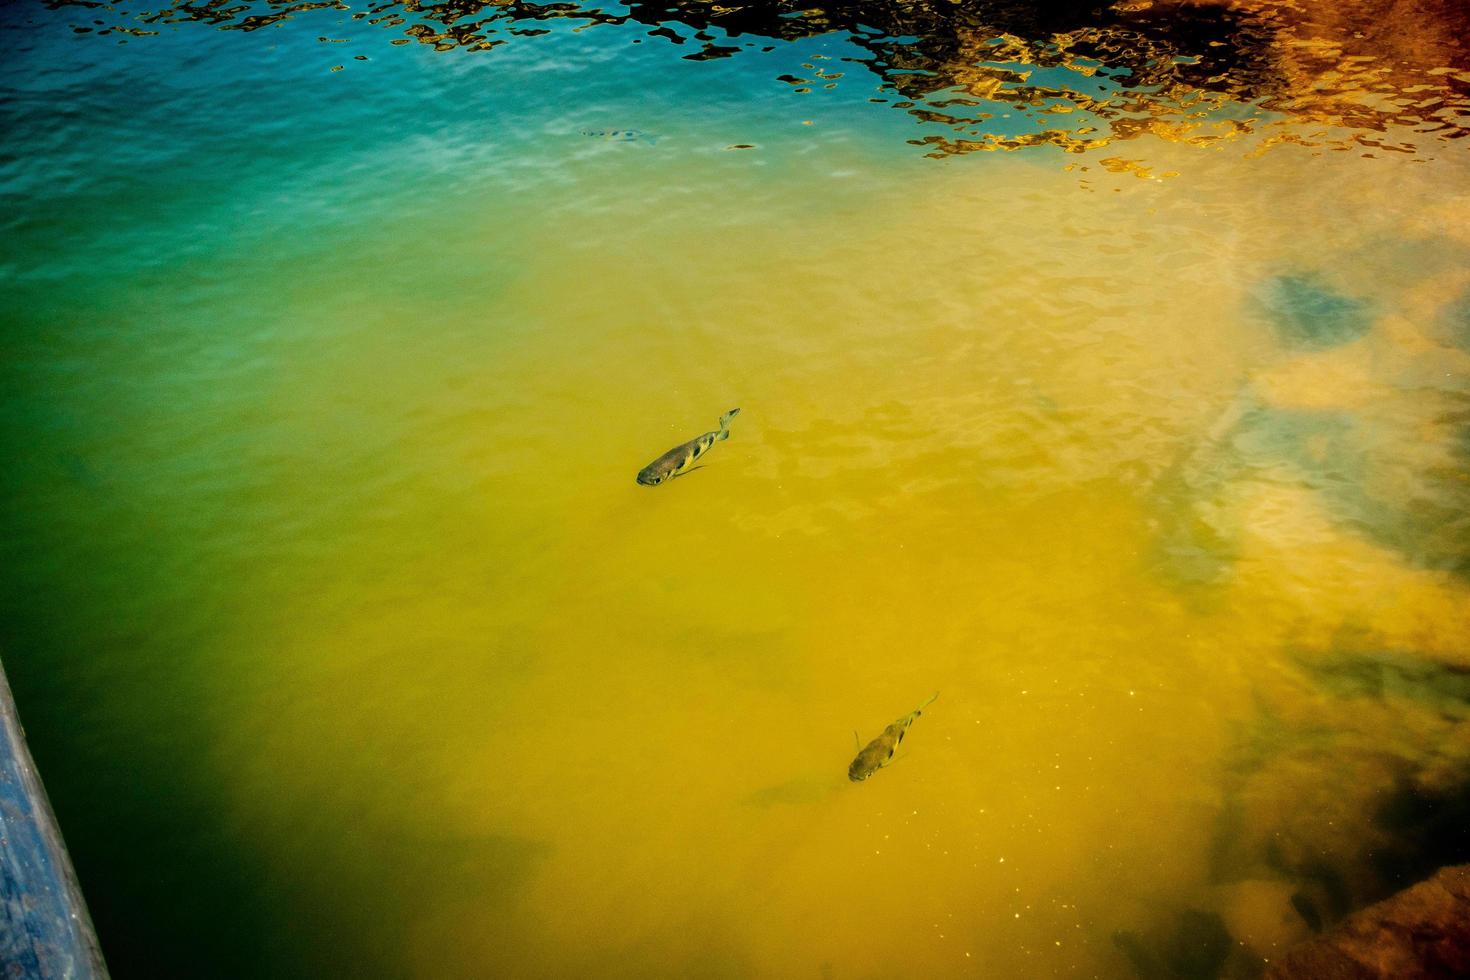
pixel 1105 371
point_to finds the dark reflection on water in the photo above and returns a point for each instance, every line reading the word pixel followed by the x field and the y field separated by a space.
pixel 1004 75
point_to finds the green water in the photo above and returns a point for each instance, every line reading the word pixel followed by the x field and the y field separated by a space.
pixel 347 645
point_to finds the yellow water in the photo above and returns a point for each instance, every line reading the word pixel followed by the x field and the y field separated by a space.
pixel 348 645
pixel 953 470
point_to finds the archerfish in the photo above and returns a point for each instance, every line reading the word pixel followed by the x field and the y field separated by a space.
pixel 879 752
pixel 679 459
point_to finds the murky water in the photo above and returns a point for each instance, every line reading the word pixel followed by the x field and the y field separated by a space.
pixel 1107 371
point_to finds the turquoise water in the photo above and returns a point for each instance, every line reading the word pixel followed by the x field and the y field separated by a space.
pixel 347 645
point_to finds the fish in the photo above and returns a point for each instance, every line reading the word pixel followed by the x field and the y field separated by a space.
pixel 879 752
pixel 621 135
pixel 679 459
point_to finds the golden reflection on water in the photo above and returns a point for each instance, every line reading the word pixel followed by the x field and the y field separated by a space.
pixel 1037 448
pixel 1361 75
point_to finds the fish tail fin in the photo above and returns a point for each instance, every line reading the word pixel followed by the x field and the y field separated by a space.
pixel 725 422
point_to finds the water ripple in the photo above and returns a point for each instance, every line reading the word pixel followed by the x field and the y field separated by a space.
pixel 1366 76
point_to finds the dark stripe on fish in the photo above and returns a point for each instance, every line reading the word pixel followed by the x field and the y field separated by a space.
pixel 879 752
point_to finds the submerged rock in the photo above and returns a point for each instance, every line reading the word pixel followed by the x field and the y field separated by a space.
pixel 1421 933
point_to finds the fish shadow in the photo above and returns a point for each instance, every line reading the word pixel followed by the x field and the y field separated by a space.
pixel 801 791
